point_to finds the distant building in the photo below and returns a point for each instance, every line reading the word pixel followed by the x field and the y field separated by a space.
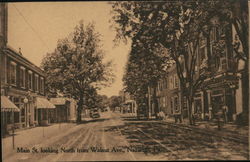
pixel 129 104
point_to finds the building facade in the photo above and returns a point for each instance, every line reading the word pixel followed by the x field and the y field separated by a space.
pixel 22 82
pixel 223 85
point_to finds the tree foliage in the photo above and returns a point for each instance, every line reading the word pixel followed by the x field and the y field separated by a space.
pixel 76 66
pixel 180 27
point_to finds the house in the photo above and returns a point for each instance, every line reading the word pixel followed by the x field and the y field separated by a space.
pixel 65 109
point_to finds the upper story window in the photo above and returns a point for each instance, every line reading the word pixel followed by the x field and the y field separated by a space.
pixel 215 34
pixel 12 73
pixel 42 85
pixel 22 77
pixel 166 83
pixel 36 83
pixel 30 80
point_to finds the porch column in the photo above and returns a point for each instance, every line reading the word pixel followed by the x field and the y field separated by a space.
pixel 202 105
pixel 25 114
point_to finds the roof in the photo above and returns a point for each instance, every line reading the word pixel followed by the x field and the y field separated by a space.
pixel 7 105
pixel 21 59
pixel 58 101
pixel 43 103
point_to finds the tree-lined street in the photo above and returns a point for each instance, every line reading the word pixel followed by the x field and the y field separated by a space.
pixel 121 137
pixel 137 80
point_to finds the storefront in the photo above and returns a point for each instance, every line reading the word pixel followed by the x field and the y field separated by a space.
pixel 43 109
pixel 8 110
pixel 221 91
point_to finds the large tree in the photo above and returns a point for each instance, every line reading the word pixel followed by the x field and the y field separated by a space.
pixel 76 66
pixel 180 27
pixel 144 69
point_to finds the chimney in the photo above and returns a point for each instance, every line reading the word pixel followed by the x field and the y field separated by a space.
pixel 20 51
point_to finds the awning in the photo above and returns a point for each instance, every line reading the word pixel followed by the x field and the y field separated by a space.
pixel 58 101
pixel 43 103
pixel 7 105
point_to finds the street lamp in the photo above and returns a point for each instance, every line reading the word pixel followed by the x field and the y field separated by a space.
pixel 25 100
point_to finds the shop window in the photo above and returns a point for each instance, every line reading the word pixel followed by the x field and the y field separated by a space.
pixel 13 73
pixel 163 101
pixel 22 115
pixel 176 104
pixel 176 81
pixel 172 105
pixel 22 77
pixel 166 83
pixel 171 82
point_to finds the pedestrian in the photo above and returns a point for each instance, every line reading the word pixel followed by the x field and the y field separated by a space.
pixel 219 118
pixel 225 111
pixel 210 112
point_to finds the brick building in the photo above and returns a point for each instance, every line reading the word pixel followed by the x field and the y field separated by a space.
pixel 22 83
pixel 223 87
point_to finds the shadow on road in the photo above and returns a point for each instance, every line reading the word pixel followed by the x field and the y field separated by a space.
pixel 138 142
pixel 92 121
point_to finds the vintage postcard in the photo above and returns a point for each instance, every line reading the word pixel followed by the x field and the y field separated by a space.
pixel 124 80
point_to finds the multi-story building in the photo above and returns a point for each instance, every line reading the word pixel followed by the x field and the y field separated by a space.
pixel 22 82
pixel 169 96
pixel 129 104
pixel 222 87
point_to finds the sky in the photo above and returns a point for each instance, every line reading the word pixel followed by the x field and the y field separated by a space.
pixel 36 27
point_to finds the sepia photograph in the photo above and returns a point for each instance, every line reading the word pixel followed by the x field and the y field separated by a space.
pixel 124 80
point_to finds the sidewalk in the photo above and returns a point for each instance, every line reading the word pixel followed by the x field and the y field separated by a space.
pixel 32 136
pixel 228 129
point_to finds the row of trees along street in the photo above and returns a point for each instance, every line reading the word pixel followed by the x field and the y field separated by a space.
pixel 178 27
pixel 76 67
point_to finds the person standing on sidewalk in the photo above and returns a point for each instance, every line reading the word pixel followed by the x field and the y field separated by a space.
pixel 225 111
pixel 219 118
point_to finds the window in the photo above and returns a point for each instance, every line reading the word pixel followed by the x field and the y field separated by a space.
pixel 202 54
pixel 163 101
pixel 30 78
pixel 176 81
pixel 22 77
pixel 171 82
pixel 36 83
pixel 176 105
pixel 42 85
pixel 166 83
pixel 13 73
pixel 172 105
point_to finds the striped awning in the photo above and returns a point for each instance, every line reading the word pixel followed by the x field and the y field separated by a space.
pixel 7 105
pixel 43 103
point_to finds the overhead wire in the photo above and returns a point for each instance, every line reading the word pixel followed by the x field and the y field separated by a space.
pixel 32 28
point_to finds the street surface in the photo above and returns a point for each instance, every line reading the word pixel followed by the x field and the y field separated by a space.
pixel 116 137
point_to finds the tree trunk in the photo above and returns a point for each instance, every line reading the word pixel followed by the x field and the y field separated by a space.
pixel 79 109
pixel 156 106
pixel 190 110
